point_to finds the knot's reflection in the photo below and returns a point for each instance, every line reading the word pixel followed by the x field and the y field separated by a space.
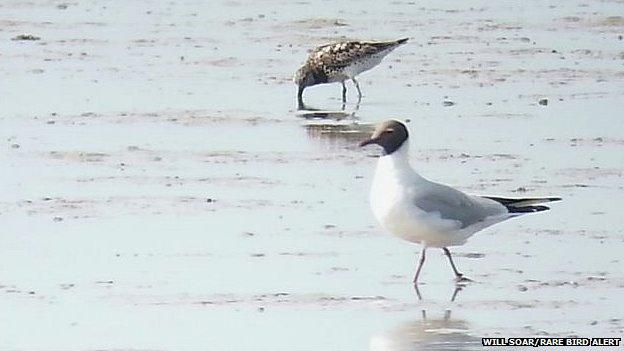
pixel 348 133
pixel 309 112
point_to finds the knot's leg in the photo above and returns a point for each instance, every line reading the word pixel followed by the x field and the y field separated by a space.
pixel 357 86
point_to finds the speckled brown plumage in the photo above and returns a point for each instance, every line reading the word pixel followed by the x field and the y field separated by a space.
pixel 337 62
pixel 337 56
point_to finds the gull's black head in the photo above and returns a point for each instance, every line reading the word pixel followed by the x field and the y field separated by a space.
pixel 390 135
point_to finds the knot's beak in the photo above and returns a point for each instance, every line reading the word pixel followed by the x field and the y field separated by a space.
pixel 300 104
pixel 367 142
pixel 300 96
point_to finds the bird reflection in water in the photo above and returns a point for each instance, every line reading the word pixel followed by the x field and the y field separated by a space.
pixel 341 133
pixel 439 333
pixel 309 112
pixel 458 288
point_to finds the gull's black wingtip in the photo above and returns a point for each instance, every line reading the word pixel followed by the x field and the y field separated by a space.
pixel 528 209
pixel 524 205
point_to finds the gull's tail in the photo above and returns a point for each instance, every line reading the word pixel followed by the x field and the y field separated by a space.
pixel 526 205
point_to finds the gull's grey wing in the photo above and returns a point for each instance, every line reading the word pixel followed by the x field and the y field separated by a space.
pixel 454 205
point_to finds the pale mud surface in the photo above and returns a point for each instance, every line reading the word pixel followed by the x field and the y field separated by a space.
pixel 160 192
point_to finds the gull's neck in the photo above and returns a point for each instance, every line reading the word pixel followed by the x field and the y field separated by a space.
pixel 398 162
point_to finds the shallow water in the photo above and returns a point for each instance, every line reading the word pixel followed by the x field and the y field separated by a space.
pixel 162 192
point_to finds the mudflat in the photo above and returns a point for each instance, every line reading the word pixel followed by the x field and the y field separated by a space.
pixel 161 192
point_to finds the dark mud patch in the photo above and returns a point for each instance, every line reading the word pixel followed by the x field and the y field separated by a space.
pixel 179 117
pixel 26 37
pixel 266 300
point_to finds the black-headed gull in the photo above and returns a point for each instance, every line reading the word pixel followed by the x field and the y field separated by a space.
pixel 432 214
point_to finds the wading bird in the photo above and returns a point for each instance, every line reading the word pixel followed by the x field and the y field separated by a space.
pixel 338 62
pixel 432 214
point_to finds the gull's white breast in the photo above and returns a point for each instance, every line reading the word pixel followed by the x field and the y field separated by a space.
pixel 394 190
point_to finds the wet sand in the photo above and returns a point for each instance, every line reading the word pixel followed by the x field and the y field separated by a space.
pixel 162 192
